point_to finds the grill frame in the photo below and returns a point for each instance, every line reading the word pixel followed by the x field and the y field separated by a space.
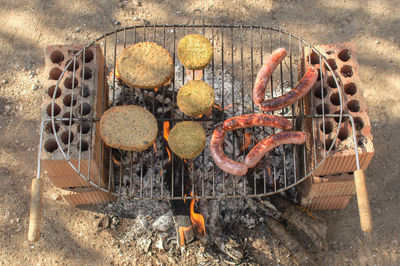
pixel 281 33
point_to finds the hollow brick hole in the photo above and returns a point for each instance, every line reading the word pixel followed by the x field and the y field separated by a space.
pixel 358 123
pixel 86 73
pixel 85 126
pixel 71 66
pixel 343 133
pixel 332 64
pixel 318 92
pixel 68 115
pixel 353 106
pixel 68 83
pixel 328 127
pixel 328 144
pixel 65 135
pixel 57 109
pixel 50 91
pixel 319 109
pixel 344 55
pixel 350 88
pixel 56 57
pixel 347 71
pixel 68 100
pixel 50 145
pixel 49 127
pixel 55 73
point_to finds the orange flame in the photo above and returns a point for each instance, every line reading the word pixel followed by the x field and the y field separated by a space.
pixel 155 90
pixel 216 106
pixel 155 148
pixel 247 140
pixel 166 134
pixel 182 231
pixel 115 160
pixel 169 154
pixel 166 130
pixel 116 74
pixel 197 220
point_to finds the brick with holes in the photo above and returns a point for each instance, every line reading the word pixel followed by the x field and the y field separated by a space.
pixel 82 92
pixel 327 192
pixel 325 99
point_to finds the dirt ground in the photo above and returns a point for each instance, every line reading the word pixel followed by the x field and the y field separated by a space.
pixel 69 235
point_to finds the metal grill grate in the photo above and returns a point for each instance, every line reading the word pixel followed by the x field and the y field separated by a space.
pixel 239 51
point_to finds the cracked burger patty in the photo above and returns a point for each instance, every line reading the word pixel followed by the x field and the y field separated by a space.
pixel 187 139
pixel 128 127
pixel 195 98
pixel 145 65
pixel 195 51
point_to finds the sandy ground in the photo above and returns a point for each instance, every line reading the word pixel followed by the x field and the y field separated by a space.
pixel 69 234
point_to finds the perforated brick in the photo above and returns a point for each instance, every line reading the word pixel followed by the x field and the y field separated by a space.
pixel 343 60
pixel 327 192
pixel 84 97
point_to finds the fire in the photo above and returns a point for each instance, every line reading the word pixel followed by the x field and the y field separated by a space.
pixel 115 160
pixel 197 221
pixel 155 148
pixel 166 134
pixel 116 74
pixel 182 231
pixel 216 106
pixel 166 130
pixel 155 90
pixel 247 140
pixel 169 154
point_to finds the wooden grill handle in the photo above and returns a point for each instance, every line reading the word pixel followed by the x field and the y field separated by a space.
pixel 35 216
pixel 362 199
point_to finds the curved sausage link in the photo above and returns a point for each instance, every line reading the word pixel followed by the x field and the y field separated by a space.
pixel 301 89
pixel 270 142
pixel 217 152
pixel 251 120
pixel 264 75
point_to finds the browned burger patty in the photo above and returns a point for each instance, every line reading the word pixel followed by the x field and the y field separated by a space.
pixel 195 51
pixel 129 127
pixel 187 139
pixel 145 65
pixel 195 98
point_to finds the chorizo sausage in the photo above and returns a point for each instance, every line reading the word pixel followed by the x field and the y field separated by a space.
pixel 221 160
pixel 251 120
pixel 265 73
pixel 298 92
pixel 270 142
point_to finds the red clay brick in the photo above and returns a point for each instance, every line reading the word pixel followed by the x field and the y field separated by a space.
pixel 59 170
pixel 327 192
pixel 342 158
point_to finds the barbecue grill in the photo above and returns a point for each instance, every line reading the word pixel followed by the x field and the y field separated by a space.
pixel 239 51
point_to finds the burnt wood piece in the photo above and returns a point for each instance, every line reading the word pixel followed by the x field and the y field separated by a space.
pixel 288 240
pixel 176 173
pixel 210 210
pixel 314 227
pixel 274 219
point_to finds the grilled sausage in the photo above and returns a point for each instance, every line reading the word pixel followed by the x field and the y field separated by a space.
pixel 251 120
pixel 301 89
pixel 220 159
pixel 265 73
pixel 270 142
